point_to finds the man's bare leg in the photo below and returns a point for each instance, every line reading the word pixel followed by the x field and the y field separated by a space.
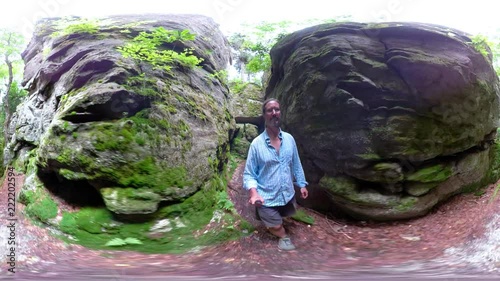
pixel 284 242
pixel 278 231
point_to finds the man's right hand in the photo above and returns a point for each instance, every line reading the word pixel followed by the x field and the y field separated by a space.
pixel 255 197
pixel 256 200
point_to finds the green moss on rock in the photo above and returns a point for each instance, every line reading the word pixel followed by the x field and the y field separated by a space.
pixel 435 173
pixel 493 173
pixel 130 200
pixel 418 188
pixel 405 203
pixel 240 145
pixel 175 228
pixel 119 139
pixel 39 204
pixel 342 186
pixel 147 173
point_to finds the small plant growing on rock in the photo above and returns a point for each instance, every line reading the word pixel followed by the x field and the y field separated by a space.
pixel 79 26
pixel 147 47
pixel 480 43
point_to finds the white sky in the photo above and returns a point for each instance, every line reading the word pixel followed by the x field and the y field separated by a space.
pixel 478 16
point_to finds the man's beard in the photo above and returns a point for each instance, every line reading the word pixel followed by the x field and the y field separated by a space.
pixel 274 122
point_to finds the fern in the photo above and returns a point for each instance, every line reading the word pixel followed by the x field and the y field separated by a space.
pixel 223 201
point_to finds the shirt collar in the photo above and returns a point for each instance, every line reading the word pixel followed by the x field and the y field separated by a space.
pixel 268 139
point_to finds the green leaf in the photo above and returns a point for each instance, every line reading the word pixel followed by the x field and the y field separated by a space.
pixel 228 205
pixel 116 242
pixel 133 241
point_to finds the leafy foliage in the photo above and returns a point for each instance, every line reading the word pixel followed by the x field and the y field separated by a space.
pixel 480 43
pixel 223 201
pixel 16 95
pixel 150 47
pixel 221 75
pixel 237 86
pixel 495 50
pixel 11 46
pixel 79 26
pixel 252 45
pixel 11 43
pixel 11 65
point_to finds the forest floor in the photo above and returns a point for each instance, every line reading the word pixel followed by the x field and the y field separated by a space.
pixel 331 247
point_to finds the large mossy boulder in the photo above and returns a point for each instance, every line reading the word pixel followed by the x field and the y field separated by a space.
pixel 390 118
pixel 129 105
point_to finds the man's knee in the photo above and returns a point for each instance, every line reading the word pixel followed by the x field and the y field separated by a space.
pixel 275 228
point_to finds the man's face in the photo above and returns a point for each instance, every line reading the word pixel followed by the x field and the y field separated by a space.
pixel 272 114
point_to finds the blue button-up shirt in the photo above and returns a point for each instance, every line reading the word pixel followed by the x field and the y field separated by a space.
pixel 273 174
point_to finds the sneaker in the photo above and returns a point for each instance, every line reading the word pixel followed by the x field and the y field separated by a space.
pixel 286 244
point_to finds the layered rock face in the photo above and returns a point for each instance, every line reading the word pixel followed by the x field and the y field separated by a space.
pixel 390 118
pixel 139 130
pixel 246 107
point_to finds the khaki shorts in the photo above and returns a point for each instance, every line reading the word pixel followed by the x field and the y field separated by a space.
pixel 273 216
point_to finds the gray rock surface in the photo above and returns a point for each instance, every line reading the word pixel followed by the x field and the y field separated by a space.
pixel 138 134
pixel 392 109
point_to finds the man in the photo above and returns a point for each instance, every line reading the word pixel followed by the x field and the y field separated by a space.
pixel 272 163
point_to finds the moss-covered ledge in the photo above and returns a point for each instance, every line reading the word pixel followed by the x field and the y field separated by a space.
pixel 206 218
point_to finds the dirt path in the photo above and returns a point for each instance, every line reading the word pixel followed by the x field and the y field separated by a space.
pixel 331 247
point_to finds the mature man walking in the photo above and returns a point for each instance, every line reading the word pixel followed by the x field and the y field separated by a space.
pixel 272 164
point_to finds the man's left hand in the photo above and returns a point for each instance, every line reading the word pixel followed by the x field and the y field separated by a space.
pixel 304 193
